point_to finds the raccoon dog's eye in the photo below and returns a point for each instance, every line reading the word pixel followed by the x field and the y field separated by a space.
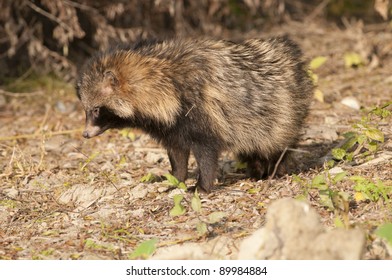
pixel 95 112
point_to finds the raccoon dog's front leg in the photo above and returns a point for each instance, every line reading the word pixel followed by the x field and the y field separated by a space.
pixel 179 162
pixel 207 161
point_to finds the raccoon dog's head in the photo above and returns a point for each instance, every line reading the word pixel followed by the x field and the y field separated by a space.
pixel 115 87
pixel 94 91
pixel 99 89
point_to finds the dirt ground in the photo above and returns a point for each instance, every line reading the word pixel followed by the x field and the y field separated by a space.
pixel 64 197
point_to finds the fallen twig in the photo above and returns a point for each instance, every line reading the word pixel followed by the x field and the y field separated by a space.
pixel 278 162
pixel 317 11
pixel 33 136
pixel 21 94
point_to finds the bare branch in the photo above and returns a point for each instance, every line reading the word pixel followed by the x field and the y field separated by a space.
pixel 48 15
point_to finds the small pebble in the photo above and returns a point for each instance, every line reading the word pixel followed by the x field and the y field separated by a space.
pixel 335 170
pixel 351 102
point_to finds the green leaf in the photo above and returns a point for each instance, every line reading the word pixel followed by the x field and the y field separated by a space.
pixel 195 202
pixel 297 179
pixel 372 146
pixel 172 180
pixel 317 62
pixel 375 134
pixel 319 182
pixel 216 217
pixel 148 178
pixel 330 163
pixel 254 191
pixel 352 59
pixel 178 209
pixel 175 182
pixel 350 142
pixel 370 190
pixel 301 197
pixel 325 199
pixel 357 178
pixel 350 134
pixel 339 177
pixel 344 195
pixel 338 222
pixel 338 153
pixel 201 228
pixel 144 249
pixel 384 190
pixel 361 139
pixel 182 186
pixel 350 156
pixel 385 231
pixel 385 113
pixel 89 243
pixel 381 112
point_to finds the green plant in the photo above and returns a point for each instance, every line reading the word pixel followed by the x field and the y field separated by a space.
pixel 329 197
pixel 47 252
pixel 182 206
pixel 150 178
pixel 144 249
pixel 178 209
pixel 353 59
pixel 366 136
pixel 91 244
pixel 385 231
pixel 373 191
pixel 175 182
pixel 325 185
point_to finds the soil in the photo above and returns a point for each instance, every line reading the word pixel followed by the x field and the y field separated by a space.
pixel 64 197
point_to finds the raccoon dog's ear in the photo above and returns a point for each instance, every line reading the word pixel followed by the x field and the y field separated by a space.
pixel 110 78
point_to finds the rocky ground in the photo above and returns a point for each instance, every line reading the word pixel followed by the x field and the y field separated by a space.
pixel 63 197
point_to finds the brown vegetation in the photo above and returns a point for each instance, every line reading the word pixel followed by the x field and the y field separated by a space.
pixel 54 35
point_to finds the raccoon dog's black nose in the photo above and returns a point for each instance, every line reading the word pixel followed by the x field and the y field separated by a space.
pixel 85 134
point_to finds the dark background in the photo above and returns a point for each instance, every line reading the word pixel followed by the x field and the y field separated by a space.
pixel 54 36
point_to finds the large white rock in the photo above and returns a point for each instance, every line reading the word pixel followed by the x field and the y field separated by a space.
pixel 293 231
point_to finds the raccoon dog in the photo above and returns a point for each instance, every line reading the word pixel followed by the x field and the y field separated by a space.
pixel 203 96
